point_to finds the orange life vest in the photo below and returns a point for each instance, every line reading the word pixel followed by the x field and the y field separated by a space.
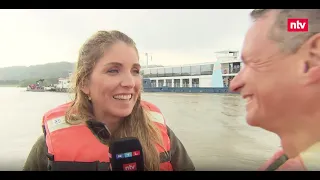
pixel 75 147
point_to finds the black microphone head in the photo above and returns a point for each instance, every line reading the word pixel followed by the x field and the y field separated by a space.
pixel 126 155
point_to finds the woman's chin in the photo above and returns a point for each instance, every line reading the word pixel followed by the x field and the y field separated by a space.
pixel 122 112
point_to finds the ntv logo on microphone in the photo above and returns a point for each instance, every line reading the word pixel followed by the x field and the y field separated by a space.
pixel 297 25
pixel 130 167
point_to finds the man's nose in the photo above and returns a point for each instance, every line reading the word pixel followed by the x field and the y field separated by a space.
pixel 128 81
pixel 237 83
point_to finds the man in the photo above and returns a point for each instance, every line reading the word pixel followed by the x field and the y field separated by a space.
pixel 281 82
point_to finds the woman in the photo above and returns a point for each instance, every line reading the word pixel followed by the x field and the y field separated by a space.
pixel 107 106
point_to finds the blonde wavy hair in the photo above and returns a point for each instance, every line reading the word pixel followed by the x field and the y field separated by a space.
pixel 138 124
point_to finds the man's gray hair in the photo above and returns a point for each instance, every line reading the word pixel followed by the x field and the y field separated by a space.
pixel 290 41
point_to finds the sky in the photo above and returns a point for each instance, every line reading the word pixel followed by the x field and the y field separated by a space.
pixel 171 37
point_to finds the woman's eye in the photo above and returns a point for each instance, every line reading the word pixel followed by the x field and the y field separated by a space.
pixel 113 71
pixel 136 71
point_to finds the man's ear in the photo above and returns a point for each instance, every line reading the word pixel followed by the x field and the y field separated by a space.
pixel 312 65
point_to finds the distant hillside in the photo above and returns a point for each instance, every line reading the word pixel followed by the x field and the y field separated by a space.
pixel 44 71
pixel 24 75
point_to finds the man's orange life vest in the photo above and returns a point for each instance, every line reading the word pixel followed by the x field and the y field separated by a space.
pixel 75 147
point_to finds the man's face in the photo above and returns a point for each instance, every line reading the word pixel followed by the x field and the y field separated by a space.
pixel 270 79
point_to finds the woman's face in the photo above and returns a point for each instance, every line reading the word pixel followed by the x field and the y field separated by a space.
pixel 115 82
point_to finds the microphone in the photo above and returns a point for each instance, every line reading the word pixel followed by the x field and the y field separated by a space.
pixel 126 155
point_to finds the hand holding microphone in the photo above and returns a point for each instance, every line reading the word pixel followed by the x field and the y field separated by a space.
pixel 126 155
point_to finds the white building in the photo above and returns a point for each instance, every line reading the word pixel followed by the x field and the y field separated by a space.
pixel 63 83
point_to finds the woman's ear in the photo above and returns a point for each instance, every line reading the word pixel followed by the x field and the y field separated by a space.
pixel 85 88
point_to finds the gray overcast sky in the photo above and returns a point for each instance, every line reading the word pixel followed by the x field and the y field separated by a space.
pixel 31 37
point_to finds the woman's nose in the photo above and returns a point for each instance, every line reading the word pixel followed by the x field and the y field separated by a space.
pixel 128 81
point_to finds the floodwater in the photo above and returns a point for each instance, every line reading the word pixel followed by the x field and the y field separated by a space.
pixel 212 127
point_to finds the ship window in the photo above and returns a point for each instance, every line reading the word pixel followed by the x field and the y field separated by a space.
pixel 146 73
pixel 195 70
pixel 161 72
pixel 176 82
pixel 153 72
pixel 160 83
pixel 186 71
pixel 168 72
pixel 195 82
pixel 225 68
pixel 153 83
pixel 169 82
pixel 206 69
pixel 177 71
pixel 235 67
pixel 185 82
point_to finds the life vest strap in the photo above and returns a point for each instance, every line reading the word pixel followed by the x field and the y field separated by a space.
pixel 78 166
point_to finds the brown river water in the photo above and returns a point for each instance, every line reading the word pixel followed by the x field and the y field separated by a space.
pixel 211 126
